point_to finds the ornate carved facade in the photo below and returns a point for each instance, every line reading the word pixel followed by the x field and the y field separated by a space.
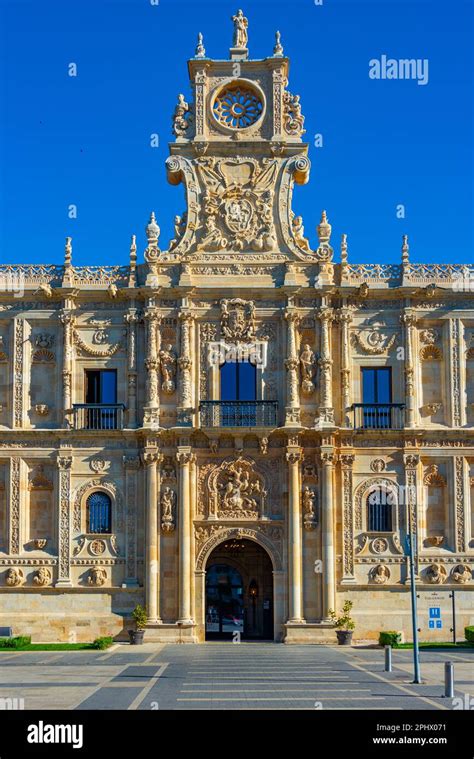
pixel 109 497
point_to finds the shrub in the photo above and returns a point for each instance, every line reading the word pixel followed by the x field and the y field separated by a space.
pixel 390 638
pixel 102 643
pixel 18 642
pixel 345 621
pixel 469 634
pixel 140 616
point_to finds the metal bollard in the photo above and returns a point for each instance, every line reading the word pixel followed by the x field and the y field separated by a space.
pixel 449 679
pixel 388 658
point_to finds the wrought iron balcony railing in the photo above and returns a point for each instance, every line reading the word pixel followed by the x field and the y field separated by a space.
pixel 379 416
pixel 98 416
pixel 239 413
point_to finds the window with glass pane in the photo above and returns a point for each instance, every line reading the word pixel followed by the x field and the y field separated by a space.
pixel 239 393
pixel 99 512
pixel 377 397
pixel 379 511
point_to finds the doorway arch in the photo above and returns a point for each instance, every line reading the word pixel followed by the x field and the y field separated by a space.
pixel 239 592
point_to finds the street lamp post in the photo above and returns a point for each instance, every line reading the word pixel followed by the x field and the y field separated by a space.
pixel 416 651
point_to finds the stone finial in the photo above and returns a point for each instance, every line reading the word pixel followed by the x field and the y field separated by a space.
pixel 405 250
pixel 133 262
pixel 278 49
pixel 324 230
pixel 152 231
pixel 344 249
pixel 200 50
pixel 68 253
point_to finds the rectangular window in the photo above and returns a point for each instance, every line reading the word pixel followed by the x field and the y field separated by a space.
pixel 377 397
pixel 101 386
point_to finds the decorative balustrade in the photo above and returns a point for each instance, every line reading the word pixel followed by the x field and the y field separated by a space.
pixel 379 416
pixel 100 275
pixel 98 416
pixel 374 273
pixel 239 413
pixel 31 274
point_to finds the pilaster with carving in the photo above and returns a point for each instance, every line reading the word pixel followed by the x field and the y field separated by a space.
pixel 14 509
pixel 131 319
pixel 152 459
pixel 326 410
pixel 64 462
pixel 18 371
pixel 185 364
pixel 347 462
pixel 131 465
pixel 409 321
pixel 344 317
pixel 151 416
pixel 460 503
pixel 412 462
pixel 184 458
pixel 292 412
pixel 455 372
pixel 67 319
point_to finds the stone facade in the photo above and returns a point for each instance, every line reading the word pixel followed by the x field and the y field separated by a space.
pixel 293 475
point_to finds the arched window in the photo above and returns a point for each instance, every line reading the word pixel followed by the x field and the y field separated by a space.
pixel 379 510
pixel 99 512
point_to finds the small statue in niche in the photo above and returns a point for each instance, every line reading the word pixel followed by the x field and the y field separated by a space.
pixel 168 368
pixel 168 498
pixel 307 364
pixel 309 512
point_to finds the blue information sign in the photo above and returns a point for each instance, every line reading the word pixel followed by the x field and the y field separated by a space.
pixel 435 612
pixel 431 624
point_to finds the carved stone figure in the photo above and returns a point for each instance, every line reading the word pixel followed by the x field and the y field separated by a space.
pixel 298 233
pixel 168 499
pixel 461 573
pixel 240 30
pixel 307 364
pixel 42 577
pixel 44 340
pixel 309 510
pixel 293 118
pixel 238 319
pixel 380 574
pixel 236 490
pixel 436 574
pixel 179 229
pixel 168 368
pixel 97 576
pixel 181 117
pixel 14 576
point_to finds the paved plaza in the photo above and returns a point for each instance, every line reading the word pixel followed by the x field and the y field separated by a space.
pixel 232 676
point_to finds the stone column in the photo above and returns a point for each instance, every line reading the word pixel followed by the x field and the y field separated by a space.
pixel 461 488
pixel 131 465
pixel 411 462
pixel 193 495
pixel 409 320
pixel 64 522
pixel 185 363
pixel 184 457
pixel 151 459
pixel 67 320
pixel 292 411
pixel 151 416
pixel 131 319
pixel 326 410
pixel 348 578
pixel 295 557
pixel 328 540
pixel 345 318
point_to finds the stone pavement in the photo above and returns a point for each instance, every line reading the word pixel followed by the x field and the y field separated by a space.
pixel 231 676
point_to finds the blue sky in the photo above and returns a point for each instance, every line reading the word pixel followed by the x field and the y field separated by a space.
pixel 85 140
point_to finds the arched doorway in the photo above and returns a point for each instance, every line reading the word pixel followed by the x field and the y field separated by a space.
pixel 239 592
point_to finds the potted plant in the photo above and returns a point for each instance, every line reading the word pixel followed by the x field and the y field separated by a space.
pixel 140 617
pixel 344 624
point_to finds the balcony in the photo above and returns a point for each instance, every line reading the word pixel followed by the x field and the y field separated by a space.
pixel 379 416
pixel 98 416
pixel 239 413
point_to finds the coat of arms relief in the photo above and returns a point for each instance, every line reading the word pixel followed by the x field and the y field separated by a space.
pixel 236 491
